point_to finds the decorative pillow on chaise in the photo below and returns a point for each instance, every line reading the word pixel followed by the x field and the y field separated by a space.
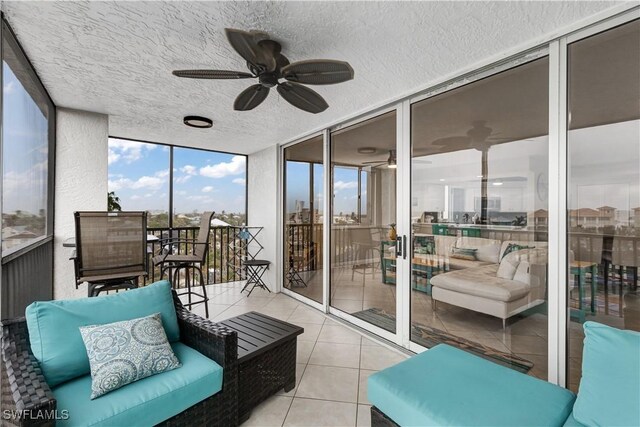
pixel 123 352
pixel 512 247
pixel 464 253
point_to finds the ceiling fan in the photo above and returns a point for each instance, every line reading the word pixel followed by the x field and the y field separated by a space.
pixel 390 162
pixel 479 137
pixel 269 66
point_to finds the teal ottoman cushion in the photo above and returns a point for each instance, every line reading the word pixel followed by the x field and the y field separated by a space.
pixel 146 402
pixel 54 332
pixel 448 386
pixel 609 392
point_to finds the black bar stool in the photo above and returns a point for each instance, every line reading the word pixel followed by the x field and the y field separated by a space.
pixel 255 270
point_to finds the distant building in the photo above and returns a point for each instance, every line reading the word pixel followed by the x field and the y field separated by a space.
pixel 636 217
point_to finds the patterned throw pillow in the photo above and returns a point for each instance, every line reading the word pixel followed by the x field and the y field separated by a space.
pixel 464 253
pixel 512 247
pixel 123 352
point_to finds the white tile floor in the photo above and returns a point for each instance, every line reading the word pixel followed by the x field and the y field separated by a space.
pixel 333 362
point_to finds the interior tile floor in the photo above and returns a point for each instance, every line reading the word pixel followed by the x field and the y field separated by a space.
pixel 333 361
pixel 524 336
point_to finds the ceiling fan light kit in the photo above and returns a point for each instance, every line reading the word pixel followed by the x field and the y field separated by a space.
pixel 266 63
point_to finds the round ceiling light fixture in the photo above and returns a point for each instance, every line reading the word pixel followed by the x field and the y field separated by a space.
pixel 367 150
pixel 198 122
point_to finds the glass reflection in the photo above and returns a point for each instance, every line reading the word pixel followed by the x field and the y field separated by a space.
pixel 603 185
pixel 479 218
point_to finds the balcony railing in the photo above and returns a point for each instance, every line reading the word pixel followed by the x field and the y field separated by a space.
pixel 224 257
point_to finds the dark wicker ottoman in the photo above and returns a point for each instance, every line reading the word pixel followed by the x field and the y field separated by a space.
pixel 266 358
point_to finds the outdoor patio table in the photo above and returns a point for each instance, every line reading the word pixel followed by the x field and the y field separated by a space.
pixel 266 358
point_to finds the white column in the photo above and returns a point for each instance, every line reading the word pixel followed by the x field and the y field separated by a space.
pixel 263 204
pixel 80 184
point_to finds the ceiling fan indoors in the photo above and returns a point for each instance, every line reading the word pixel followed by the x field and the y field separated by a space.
pixel 390 162
pixel 266 63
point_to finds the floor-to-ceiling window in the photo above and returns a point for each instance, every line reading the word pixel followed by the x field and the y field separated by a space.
pixel 28 147
pixel 603 218
pixel 141 178
pixel 303 217
pixel 478 189
pixel 363 217
pixel 478 206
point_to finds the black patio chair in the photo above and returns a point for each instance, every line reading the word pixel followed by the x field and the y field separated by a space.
pixel 194 260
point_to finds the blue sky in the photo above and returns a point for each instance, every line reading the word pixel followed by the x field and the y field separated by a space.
pixel 203 180
pixel 25 147
pixel 345 185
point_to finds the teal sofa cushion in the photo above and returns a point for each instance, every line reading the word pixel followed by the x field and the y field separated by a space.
pixel 448 386
pixel 54 332
pixel 610 385
pixel 571 422
pixel 146 402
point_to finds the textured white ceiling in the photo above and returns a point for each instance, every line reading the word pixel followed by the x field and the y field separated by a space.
pixel 116 57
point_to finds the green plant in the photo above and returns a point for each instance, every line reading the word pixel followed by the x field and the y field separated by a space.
pixel 113 202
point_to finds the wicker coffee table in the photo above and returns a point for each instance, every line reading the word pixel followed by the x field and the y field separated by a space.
pixel 266 358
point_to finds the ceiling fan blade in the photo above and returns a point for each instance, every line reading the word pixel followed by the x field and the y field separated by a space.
pixel 246 44
pixel 318 72
pixel 212 74
pixel 302 97
pixel 452 140
pixel 250 98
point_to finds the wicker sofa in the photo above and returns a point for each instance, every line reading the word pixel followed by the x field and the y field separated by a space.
pixel 27 399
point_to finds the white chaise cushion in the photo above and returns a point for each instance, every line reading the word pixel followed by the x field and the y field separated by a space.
pixel 481 282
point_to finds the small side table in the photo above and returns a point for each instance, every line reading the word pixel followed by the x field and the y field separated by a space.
pixel 266 358
pixel 255 270
pixel 579 269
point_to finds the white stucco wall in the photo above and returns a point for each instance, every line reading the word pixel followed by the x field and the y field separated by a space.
pixel 263 203
pixel 81 184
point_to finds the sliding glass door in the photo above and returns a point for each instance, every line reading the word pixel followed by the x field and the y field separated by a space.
pixel 363 221
pixel 516 234
pixel 479 169
pixel 303 218
pixel 603 218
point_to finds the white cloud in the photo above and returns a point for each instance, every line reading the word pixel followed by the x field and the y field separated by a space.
pixel 129 151
pixel 148 182
pixel 341 185
pixel 235 167
pixel 9 88
pixel 162 173
pixel 113 156
pixel 189 170
pixel 239 181
pixel 207 189
pixel 183 179
pixel 135 197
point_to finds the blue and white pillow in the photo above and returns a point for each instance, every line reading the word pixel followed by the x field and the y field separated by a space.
pixel 123 352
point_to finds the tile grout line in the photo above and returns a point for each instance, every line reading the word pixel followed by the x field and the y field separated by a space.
pixel 301 376
pixel 358 384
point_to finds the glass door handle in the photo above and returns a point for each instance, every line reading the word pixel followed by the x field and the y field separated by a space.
pixel 404 247
pixel 401 247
